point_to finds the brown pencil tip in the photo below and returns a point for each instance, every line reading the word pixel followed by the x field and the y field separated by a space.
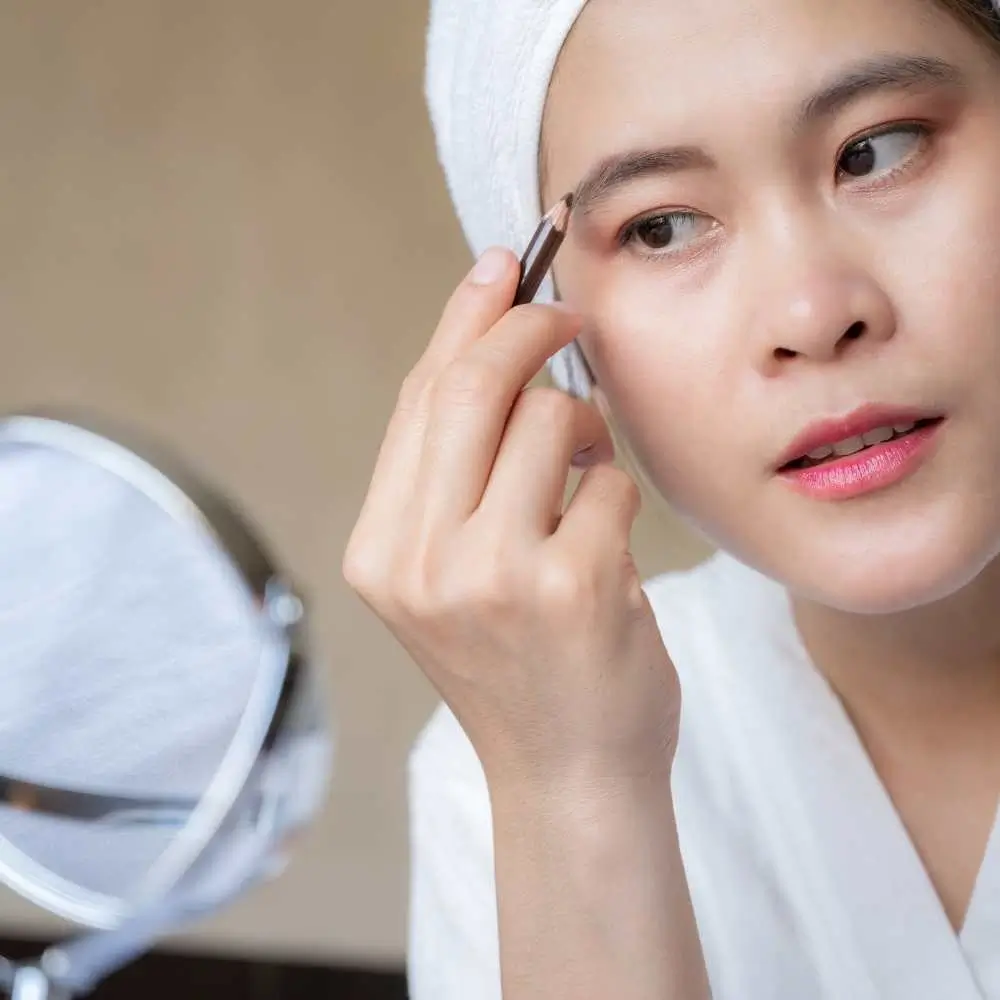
pixel 559 215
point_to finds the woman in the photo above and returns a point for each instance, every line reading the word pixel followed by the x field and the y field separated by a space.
pixel 782 269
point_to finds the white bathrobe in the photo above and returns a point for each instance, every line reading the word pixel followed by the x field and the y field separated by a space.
pixel 805 883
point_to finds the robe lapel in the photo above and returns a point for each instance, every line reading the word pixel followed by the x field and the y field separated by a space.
pixel 877 925
pixel 980 937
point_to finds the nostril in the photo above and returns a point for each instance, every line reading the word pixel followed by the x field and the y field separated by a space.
pixel 854 331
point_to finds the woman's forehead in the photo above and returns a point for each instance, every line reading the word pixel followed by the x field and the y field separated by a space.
pixel 687 69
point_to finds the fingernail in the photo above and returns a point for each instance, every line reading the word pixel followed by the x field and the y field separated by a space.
pixel 490 267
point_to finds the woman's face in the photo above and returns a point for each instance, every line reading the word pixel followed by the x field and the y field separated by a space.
pixel 807 224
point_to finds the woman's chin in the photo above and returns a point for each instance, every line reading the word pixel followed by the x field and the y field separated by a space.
pixel 901 563
pixel 885 578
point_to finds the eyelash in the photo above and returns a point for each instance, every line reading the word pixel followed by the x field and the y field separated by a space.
pixel 922 132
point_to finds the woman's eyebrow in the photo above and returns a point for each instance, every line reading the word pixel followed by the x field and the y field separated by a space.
pixel 860 79
pixel 887 72
pixel 620 169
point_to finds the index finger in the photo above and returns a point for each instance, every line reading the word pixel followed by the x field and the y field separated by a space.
pixel 474 307
pixel 472 404
pixel 478 303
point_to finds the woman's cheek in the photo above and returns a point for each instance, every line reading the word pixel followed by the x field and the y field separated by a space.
pixel 649 347
pixel 660 390
pixel 660 356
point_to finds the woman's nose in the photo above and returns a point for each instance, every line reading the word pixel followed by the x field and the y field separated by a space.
pixel 819 308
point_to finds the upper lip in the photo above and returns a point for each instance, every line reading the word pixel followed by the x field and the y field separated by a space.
pixel 864 419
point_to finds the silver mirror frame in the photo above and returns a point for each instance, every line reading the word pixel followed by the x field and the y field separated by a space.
pixel 278 612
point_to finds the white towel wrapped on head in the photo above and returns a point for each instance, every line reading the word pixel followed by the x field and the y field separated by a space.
pixel 489 65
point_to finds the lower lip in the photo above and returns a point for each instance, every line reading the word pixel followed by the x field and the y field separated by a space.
pixel 866 471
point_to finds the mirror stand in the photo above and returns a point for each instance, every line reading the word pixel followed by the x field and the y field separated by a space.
pixel 29 981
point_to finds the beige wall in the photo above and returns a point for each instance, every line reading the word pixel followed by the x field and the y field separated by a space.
pixel 224 221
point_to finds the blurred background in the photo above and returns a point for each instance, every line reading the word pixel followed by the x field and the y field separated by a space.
pixel 223 221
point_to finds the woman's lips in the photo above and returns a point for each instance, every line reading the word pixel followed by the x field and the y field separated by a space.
pixel 859 422
pixel 876 467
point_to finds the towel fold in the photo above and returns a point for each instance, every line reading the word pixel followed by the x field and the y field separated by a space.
pixel 489 65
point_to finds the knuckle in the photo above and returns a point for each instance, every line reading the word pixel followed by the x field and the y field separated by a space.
pixel 561 585
pixel 364 570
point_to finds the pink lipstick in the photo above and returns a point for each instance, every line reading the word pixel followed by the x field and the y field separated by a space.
pixel 872 448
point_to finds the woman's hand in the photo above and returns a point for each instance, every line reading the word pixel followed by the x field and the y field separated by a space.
pixel 531 622
pixel 529 619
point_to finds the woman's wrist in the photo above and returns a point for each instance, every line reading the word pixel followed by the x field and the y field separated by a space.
pixel 592 894
pixel 579 778
pixel 593 816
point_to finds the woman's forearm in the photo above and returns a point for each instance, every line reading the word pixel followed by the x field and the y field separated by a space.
pixel 593 899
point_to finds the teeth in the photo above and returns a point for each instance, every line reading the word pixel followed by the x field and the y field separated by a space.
pixel 878 435
pixel 851 446
pixel 848 446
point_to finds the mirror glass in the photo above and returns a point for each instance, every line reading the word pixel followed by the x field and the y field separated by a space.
pixel 140 671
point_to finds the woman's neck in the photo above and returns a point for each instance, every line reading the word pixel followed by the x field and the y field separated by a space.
pixel 929 674
pixel 923 692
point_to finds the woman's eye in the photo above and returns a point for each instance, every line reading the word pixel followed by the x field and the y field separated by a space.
pixel 668 231
pixel 884 153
